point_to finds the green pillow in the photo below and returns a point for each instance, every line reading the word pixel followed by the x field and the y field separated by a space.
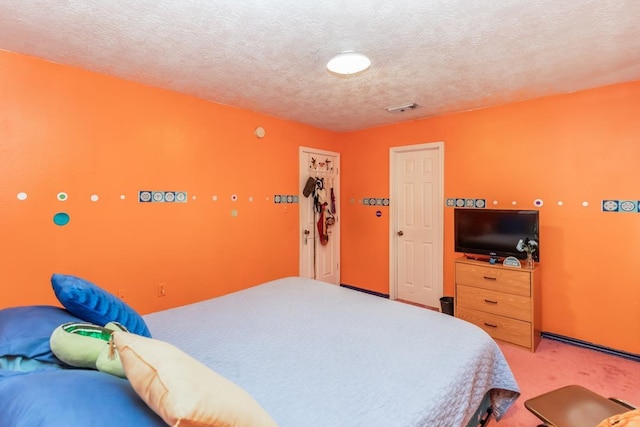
pixel 84 345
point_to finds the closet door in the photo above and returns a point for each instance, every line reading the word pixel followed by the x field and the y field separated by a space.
pixel 319 215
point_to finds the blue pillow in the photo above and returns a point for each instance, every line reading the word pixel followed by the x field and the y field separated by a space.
pixel 25 332
pixel 72 397
pixel 95 305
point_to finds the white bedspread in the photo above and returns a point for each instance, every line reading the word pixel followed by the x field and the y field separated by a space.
pixel 318 355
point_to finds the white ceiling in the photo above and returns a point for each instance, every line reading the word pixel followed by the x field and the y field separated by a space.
pixel 270 55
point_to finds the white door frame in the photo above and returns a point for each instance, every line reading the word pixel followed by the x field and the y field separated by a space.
pixel 393 227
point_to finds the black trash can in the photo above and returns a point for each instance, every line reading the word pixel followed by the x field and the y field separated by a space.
pixel 446 305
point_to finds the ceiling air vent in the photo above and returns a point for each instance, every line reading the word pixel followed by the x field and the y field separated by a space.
pixel 402 108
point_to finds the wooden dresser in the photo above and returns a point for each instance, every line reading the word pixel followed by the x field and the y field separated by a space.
pixel 504 301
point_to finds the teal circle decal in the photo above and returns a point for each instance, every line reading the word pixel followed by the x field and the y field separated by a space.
pixel 61 218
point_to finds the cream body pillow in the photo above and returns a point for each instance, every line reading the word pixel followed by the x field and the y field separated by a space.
pixel 626 419
pixel 183 391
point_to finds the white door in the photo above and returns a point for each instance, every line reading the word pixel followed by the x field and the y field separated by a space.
pixel 416 230
pixel 319 215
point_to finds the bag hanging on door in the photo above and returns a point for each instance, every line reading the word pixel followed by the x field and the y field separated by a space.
pixel 319 195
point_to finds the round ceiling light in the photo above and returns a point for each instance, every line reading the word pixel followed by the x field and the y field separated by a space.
pixel 348 63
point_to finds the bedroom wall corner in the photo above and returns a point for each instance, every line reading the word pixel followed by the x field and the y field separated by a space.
pixel 571 151
pixel 102 140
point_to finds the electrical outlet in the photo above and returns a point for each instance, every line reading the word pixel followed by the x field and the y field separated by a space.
pixel 162 289
pixel 122 294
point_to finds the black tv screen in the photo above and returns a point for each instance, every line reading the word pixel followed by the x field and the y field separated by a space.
pixel 495 232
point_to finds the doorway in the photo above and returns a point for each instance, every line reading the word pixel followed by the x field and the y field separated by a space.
pixel 416 223
pixel 319 232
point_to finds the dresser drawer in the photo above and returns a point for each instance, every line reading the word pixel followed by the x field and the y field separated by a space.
pixel 501 279
pixel 500 303
pixel 499 327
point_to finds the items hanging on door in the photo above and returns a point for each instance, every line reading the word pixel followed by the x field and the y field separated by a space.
pixel 321 202
pixel 324 200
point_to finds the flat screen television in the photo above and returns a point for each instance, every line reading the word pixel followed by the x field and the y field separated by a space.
pixel 495 232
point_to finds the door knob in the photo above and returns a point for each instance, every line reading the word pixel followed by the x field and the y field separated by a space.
pixel 400 233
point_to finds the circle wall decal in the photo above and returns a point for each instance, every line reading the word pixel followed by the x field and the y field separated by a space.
pixel 22 196
pixel 259 132
pixel 62 196
pixel 61 218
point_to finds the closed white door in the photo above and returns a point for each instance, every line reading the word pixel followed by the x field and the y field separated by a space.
pixel 416 225
pixel 320 215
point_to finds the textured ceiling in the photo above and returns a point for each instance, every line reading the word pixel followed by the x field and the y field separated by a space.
pixel 270 55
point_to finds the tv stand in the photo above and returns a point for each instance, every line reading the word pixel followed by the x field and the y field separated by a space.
pixel 502 300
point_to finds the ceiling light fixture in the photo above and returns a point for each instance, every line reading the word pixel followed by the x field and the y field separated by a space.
pixel 348 63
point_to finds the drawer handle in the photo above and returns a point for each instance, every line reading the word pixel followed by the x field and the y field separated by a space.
pixel 488 301
pixel 490 325
pixel 490 278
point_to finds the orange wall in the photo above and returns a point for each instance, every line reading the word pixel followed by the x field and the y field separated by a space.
pixel 572 148
pixel 65 129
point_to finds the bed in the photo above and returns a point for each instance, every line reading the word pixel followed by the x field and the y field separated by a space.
pixel 316 355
